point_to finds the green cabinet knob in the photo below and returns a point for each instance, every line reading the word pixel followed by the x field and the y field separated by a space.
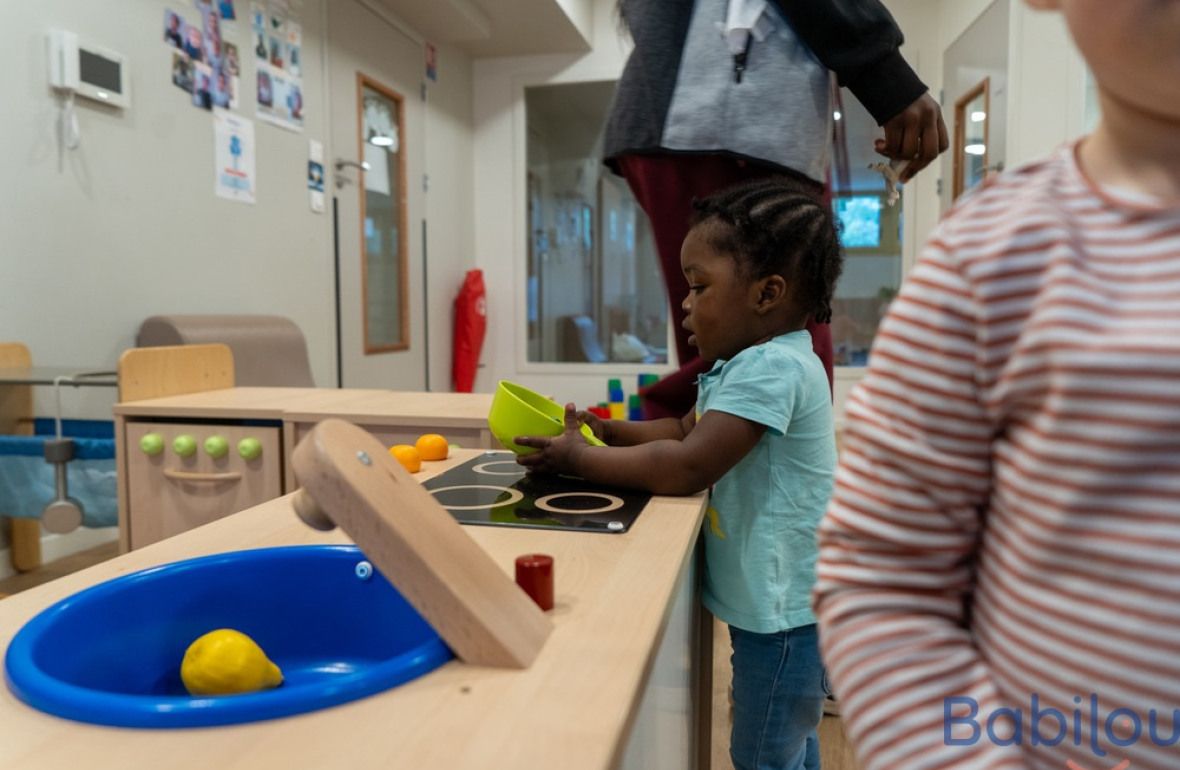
pixel 152 444
pixel 250 448
pixel 216 447
pixel 184 445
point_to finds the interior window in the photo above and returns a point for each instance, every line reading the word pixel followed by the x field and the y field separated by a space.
pixel 383 218
pixel 594 293
pixel 870 231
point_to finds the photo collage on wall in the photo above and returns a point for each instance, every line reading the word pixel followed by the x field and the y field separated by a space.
pixel 204 64
pixel 277 42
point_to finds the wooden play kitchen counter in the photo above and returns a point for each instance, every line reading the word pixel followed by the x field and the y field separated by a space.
pixel 616 684
pixel 166 493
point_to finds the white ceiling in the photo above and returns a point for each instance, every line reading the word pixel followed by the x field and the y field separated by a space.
pixel 493 27
pixel 574 111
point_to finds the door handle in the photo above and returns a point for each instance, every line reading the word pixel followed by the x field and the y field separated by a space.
pixel 198 477
pixel 342 163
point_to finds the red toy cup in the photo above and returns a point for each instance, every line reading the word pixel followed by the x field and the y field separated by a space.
pixel 534 573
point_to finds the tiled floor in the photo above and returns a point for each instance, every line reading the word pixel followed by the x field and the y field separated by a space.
pixel 835 753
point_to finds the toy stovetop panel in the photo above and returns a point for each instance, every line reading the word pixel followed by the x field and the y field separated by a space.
pixel 492 489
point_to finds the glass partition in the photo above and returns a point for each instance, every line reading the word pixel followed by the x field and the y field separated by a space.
pixel 383 218
pixel 870 231
pixel 594 292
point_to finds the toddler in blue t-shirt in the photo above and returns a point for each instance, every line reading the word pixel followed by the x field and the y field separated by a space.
pixel 761 259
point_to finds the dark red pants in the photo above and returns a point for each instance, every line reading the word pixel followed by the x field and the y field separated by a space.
pixel 665 186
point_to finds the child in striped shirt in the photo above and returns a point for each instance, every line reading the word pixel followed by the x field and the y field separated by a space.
pixel 999 580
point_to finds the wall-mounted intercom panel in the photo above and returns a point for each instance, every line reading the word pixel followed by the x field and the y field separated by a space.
pixel 88 70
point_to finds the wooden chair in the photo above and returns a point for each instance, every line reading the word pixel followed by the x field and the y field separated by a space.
pixel 16 418
pixel 173 370
pixel 16 401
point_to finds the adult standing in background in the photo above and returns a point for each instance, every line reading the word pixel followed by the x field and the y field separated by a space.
pixel 717 92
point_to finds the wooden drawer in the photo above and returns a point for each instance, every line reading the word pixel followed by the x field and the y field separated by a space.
pixel 168 494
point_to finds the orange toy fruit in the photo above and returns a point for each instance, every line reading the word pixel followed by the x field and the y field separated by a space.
pixel 432 446
pixel 408 456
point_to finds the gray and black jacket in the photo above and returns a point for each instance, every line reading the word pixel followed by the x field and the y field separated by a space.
pixel 678 91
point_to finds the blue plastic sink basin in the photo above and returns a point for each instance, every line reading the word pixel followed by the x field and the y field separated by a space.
pixel 111 654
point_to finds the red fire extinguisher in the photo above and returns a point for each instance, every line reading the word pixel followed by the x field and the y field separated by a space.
pixel 471 323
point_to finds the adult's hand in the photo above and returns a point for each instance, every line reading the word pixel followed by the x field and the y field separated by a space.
pixel 916 134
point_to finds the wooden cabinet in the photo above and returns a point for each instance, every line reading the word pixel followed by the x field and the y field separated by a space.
pixel 169 494
pixel 163 495
pixel 615 685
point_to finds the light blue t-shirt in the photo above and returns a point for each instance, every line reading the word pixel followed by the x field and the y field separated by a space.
pixel 760 533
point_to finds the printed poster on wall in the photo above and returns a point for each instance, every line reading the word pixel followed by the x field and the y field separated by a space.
pixel 204 65
pixel 315 175
pixel 233 156
pixel 278 57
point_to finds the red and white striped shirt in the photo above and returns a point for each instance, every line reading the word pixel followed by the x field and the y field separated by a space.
pixel 1005 529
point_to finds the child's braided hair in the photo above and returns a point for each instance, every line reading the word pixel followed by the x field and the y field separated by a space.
pixel 778 225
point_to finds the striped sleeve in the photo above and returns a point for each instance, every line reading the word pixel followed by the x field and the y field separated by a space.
pixel 897 544
pixel 1000 549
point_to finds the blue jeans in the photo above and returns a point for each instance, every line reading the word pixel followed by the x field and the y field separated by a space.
pixel 779 687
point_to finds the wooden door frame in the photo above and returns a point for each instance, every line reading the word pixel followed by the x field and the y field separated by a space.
pixel 363 81
pixel 983 88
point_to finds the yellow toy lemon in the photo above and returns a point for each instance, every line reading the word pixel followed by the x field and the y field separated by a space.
pixel 226 662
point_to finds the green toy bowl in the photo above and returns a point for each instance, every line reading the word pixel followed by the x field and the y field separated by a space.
pixel 518 411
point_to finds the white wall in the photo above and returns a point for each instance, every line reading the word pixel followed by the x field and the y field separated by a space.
pixel 127 226
pixel 920 22
pixel 450 202
pixel 94 240
pixel 581 13
pixel 954 16
pixel 1046 76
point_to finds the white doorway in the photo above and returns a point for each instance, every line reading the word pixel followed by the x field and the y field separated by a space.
pixel 377 124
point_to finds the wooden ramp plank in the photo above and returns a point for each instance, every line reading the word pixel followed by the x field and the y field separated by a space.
pixel 477 609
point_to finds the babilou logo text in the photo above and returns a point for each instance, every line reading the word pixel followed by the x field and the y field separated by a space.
pixel 1084 725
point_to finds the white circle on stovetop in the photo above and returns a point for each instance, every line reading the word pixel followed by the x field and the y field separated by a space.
pixel 545 504
pixel 516 469
pixel 514 496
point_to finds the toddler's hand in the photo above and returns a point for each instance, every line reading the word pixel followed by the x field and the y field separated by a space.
pixel 597 425
pixel 555 454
